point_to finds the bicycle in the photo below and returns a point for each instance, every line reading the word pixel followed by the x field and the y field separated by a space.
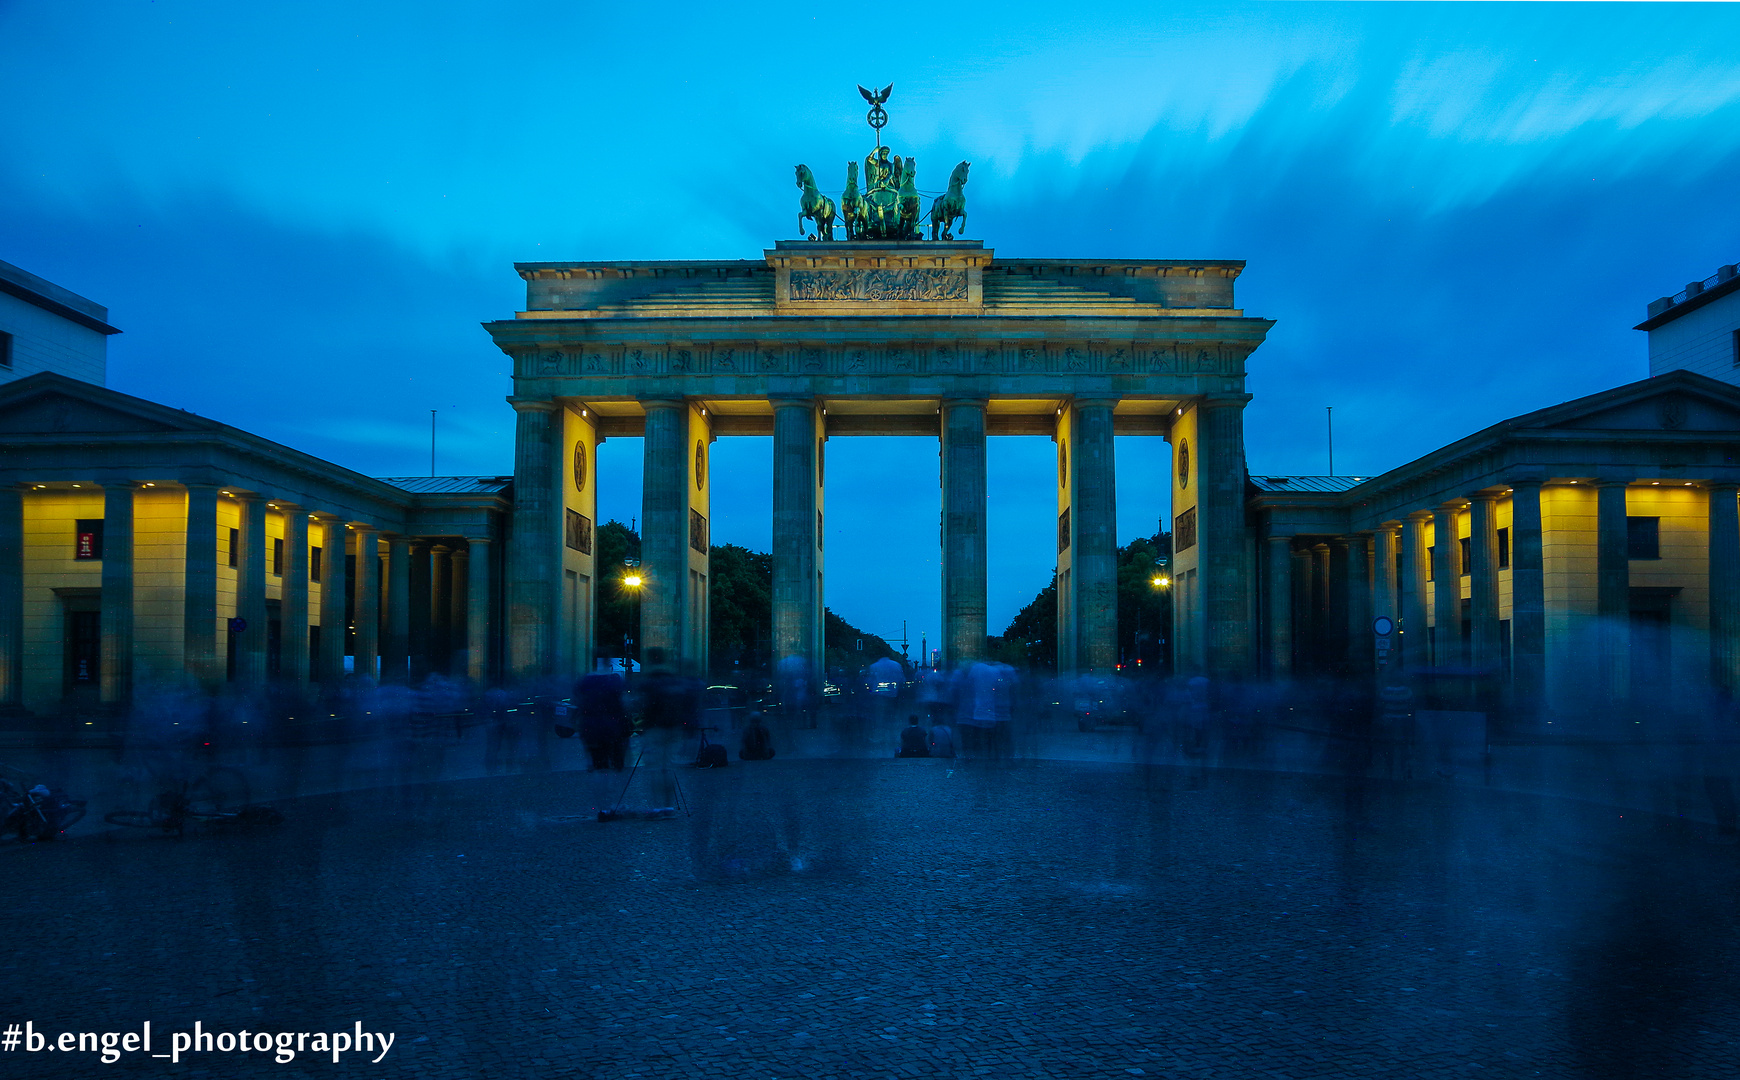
pixel 220 796
pixel 38 813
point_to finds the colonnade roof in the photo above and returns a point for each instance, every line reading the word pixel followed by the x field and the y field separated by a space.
pixel 1677 427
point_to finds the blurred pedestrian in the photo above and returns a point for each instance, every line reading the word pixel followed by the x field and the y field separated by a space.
pixel 914 740
pixel 757 740
pixel 604 724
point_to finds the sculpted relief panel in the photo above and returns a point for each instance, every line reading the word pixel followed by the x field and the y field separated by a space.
pixel 883 285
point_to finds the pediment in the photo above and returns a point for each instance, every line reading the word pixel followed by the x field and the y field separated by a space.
pixel 56 414
pixel 1668 410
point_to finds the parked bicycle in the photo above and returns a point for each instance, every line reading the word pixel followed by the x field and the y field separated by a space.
pixel 37 813
pixel 218 797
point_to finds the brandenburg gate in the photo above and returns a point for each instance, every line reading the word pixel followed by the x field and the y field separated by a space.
pixel 825 338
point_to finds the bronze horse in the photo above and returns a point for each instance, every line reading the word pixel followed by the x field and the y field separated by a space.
pixel 951 206
pixel 815 206
pixel 853 209
pixel 909 203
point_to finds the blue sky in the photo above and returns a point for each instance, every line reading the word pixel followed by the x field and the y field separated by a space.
pixel 300 213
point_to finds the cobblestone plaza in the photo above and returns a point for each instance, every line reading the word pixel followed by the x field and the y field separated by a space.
pixel 884 918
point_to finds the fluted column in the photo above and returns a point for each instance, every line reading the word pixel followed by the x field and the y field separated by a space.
pixel 293 600
pixel 1385 584
pixel 250 642
pixel 534 566
pixel 1221 532
pixel 1446 589
pixel 1279 588
pixel 396 645
pixel 11 598
pixel 1725 588
pixel 1528 597
pixel 116 668
pixel 334 591
pixel 1416 642
pixel 1094 554
pixel 1488 645
pixel 797 600
pixel 963 534
pixel 1613 587
pixel 418 599
pixel 199 593
pixel 440 608
pixel 664 529
pixel 1356 626
pixel 477 612
pixel 1340 584
pixel 1317 639
pixel 453 661
pixel 367 604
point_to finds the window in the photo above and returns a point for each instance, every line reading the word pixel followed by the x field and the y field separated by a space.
pixel 88 538
pixel 314 564
pixel 5 349
pixel 1466 553
pixel 580 532
pixel 277 556
pixel 235 545
pixel 1431 562
pixel 1504 549
pixel 1643 537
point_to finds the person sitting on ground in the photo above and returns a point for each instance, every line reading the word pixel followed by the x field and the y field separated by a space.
pixel 913 740
pixel 757 740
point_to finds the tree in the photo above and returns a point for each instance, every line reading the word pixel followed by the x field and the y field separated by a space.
pixel 617 545
pixel 740 609
pixel 840 639
pixel 1144 615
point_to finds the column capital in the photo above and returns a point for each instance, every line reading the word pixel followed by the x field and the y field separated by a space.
pixel 1608 482
pixel 1715 486
pixel 532 405
pixel 1484 496
pixel 1419 515
pixel 283 506
pixel 1530 483
pixel 475 540
pixel 1223 401
pixel 662 401
pixel 1276 539
pixel 793 401
pixel 965 399
pixel 440 548
pixel 1095 401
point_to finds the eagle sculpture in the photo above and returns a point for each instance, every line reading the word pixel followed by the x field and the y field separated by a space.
pixel 877 97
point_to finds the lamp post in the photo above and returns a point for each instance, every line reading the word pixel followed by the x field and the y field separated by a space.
pixel 632 581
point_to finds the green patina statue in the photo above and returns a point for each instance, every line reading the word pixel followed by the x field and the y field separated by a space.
pixel 888 207
pixel 853 208
pixel 950 207
pixel 815 207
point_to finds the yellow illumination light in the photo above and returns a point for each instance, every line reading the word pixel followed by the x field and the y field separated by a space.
pixel 632 581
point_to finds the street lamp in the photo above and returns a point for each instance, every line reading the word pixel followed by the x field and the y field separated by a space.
pixel 1161 581
pixel 632 581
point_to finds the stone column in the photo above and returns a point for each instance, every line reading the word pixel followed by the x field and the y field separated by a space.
pixel 1339 585
pixel 1446 589
pixel 436 648
pixel 1724 588
pixel 1356 629
pixel 534 555
pixel 1528 596
pixel 1488 645
pixel 333 593
pixel 116 670
pixel 11 598
pixel 293 600
pixel 199 593
pixel 418 600
pixel 250 643
pixel 367 605
pixel 477 612
pixel 1613 587
pixel 797 600
pixel 1094 521
pixel 1317 638
pixel 964 581
pixel 664 528
pixel 396 645
pixel 1416 647
pixel 1386 542
pixel 453 661
pixel 1279 589
pixel 1303 562
pixel 1221 532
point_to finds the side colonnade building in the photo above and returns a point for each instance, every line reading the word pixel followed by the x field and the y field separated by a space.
pixel 819 340
pixel 1583 556
pixel 144 546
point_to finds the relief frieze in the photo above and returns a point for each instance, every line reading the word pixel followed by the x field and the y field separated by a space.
pixel 886 284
